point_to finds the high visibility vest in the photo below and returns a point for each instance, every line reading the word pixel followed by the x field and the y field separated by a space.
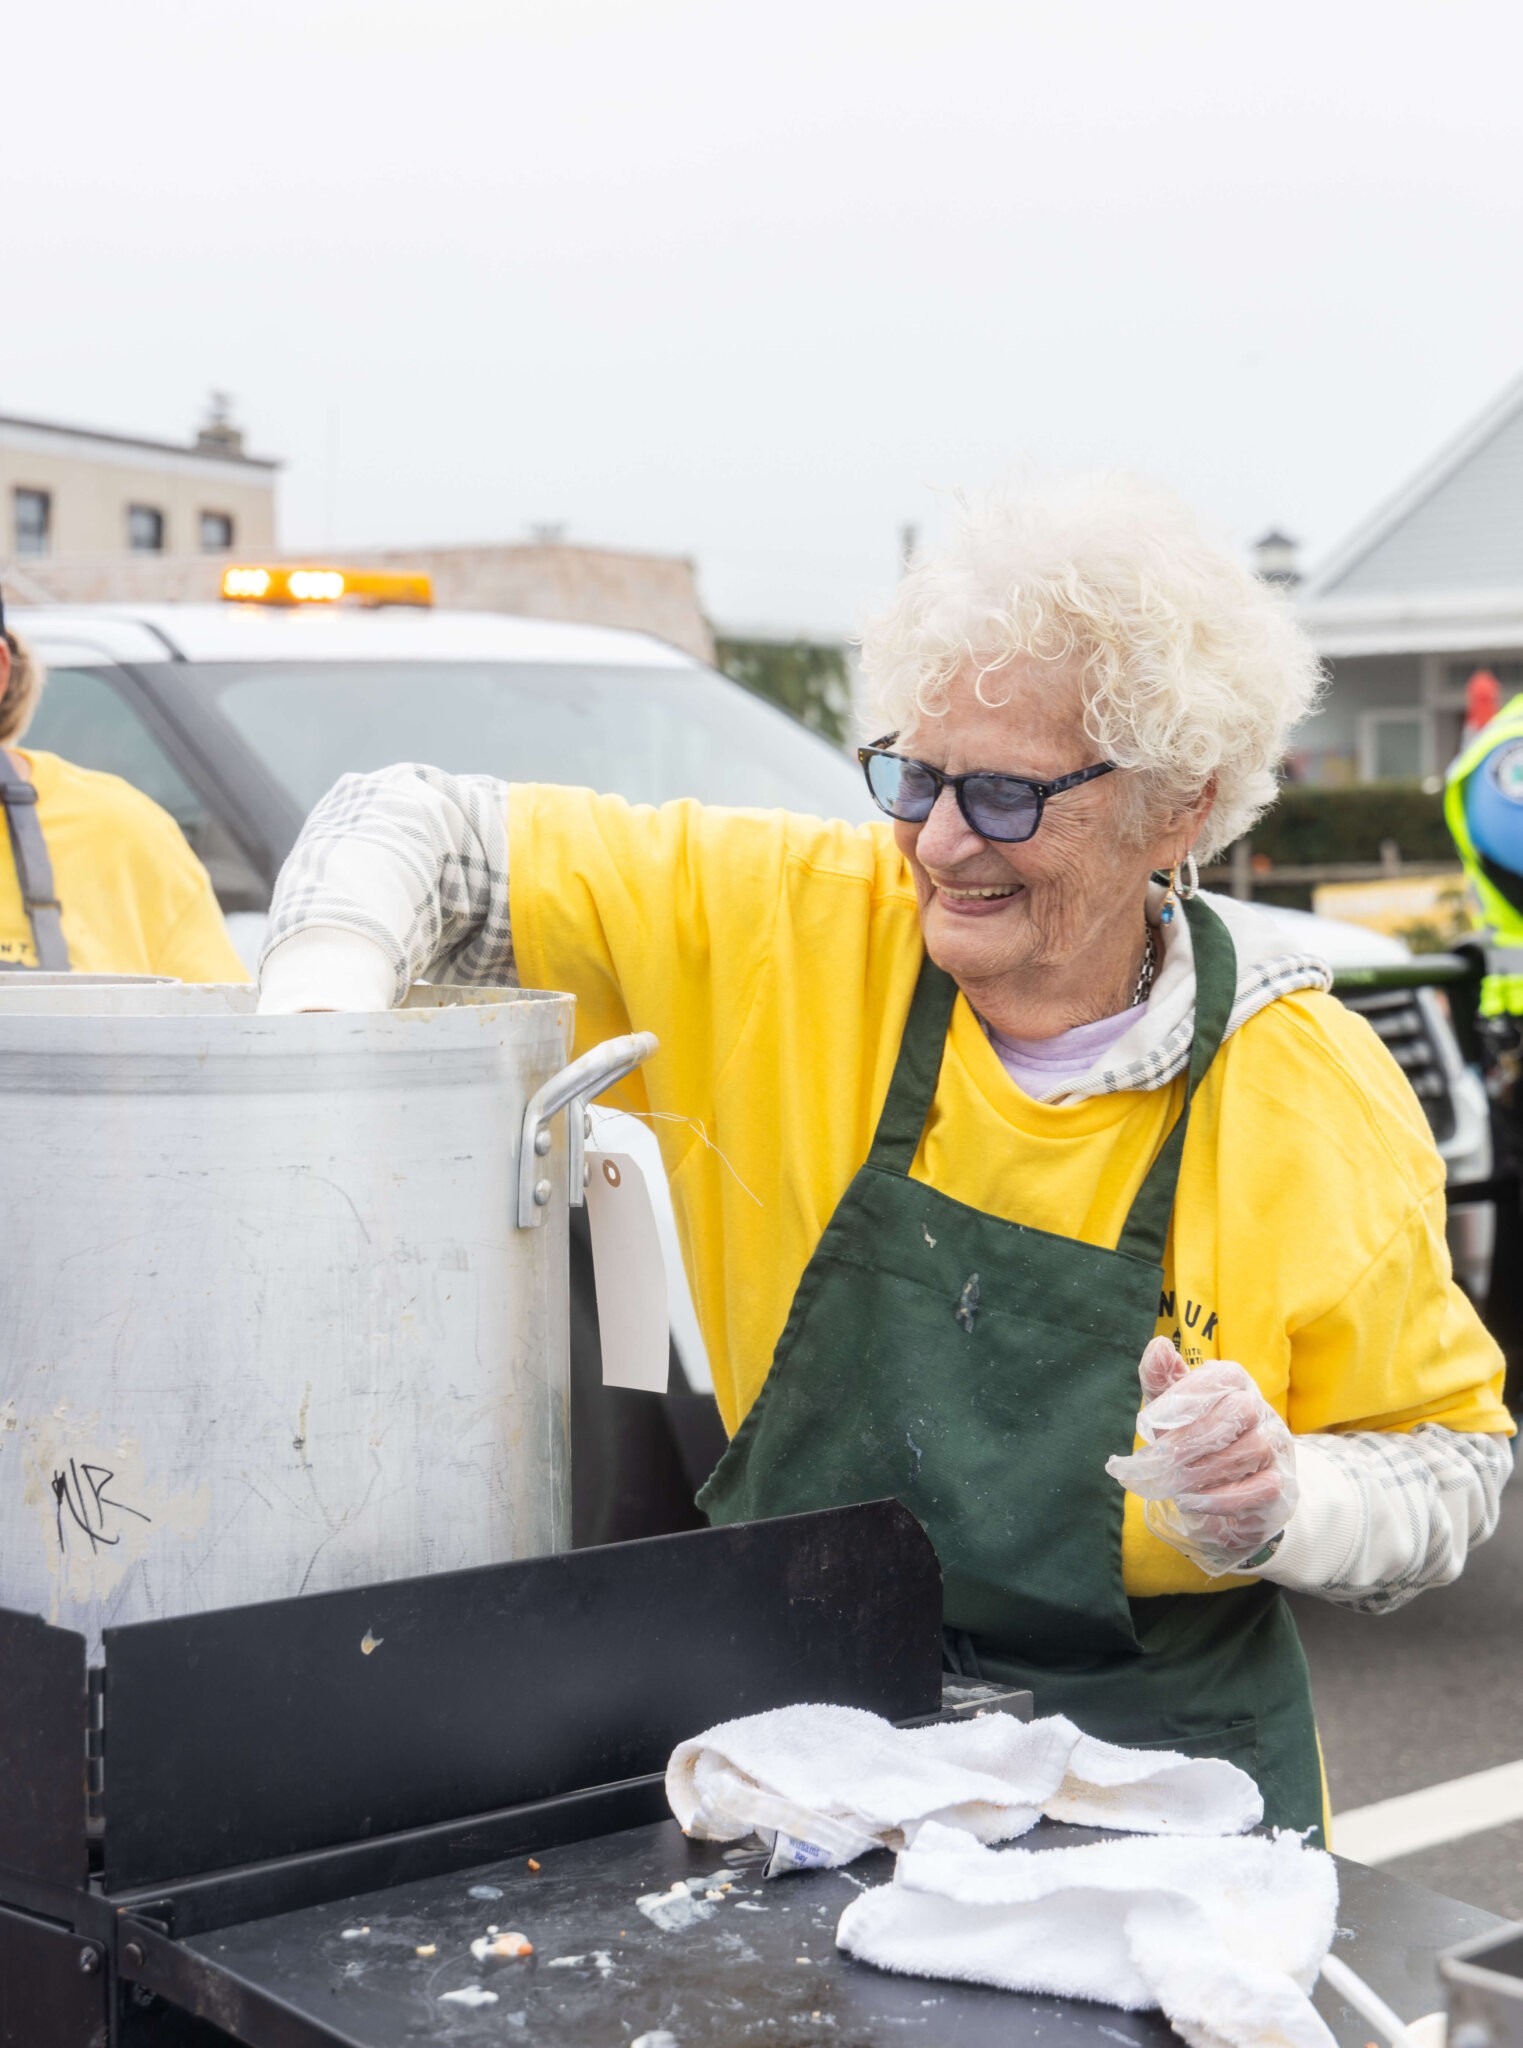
pixel 1502 990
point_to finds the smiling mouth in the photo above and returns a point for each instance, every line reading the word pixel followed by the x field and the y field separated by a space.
pixel 976 895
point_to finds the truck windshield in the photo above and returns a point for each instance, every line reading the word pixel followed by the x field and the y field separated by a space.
pixel 648 734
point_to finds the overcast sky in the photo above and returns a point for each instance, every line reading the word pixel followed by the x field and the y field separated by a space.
pixel 762 282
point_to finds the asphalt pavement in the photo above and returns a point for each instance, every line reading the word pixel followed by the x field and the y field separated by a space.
pixel 1428 1695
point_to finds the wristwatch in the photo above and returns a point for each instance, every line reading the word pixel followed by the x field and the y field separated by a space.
pixel 1261 1557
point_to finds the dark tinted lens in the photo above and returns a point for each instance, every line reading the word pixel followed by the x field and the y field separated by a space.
pixel 902 787
pixel 999 807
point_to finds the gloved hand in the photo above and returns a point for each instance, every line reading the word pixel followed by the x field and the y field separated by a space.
pixel 1218 1471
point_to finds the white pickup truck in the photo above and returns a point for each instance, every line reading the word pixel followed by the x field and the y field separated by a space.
pixel 238 717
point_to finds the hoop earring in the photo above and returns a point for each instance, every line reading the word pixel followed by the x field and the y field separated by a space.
pixel 1182 887
pixel 1170 902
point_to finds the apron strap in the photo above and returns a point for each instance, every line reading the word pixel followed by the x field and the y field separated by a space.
pixel 1146 1232
pixel 913 1087
pixel 34 870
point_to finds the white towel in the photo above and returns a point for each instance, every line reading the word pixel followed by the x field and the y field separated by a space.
pixel 1226 1937
pixel 840 1781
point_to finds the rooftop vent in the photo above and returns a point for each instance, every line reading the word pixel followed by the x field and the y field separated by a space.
pixel 216 434
pixel 1274 559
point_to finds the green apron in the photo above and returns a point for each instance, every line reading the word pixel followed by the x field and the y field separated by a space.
pixel 982 1372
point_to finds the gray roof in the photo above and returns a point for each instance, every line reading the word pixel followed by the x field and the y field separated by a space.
pixel 1457 526
pixel 183 448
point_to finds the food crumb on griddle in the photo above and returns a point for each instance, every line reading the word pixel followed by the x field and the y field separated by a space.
pixel 503 1948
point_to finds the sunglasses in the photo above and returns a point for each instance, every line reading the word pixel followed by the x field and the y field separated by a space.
pixel 1007 808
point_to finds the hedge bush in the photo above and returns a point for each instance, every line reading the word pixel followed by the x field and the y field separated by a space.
pixel 1323 827
pixel 1308 827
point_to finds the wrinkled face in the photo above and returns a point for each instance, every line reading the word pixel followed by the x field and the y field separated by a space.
pixel 989 910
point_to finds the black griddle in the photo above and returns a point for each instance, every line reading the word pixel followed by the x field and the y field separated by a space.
pixel 764 1969
pixel 246 1825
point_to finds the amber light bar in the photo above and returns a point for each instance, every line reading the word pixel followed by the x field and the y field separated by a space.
pixel 292 583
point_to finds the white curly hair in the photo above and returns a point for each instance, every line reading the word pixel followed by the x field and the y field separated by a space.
pixel 1192 670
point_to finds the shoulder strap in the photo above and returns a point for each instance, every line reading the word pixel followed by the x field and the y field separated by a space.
pixel 1146 1231
pixel 34 870
pixel 913 1088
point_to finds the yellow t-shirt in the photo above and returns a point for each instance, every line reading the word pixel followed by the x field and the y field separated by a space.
pixel 135 898
pixel 775 957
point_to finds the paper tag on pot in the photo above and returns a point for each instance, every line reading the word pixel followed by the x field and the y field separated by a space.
pixel 629 1272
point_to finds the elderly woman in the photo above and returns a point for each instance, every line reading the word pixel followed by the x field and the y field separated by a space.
pixel 1010 1110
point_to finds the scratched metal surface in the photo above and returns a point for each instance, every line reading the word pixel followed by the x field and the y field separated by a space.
pixel 762 1967
pixel 267 1326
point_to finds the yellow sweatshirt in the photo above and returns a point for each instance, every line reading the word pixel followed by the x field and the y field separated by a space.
pixel 775 957
pixel 135 898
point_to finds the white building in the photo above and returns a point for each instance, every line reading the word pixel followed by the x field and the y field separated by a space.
pixel 91 517
pixel 1428 590
pixel 81 494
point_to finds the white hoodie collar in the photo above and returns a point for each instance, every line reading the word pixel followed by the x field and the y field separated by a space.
pixel 1157 1047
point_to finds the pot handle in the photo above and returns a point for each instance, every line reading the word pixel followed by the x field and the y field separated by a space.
pixel 575 1085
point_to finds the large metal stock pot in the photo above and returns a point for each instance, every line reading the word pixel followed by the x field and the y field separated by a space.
pixel 283 1300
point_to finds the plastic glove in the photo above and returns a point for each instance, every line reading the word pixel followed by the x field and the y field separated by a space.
pixel 319 969
pixel 1218 1471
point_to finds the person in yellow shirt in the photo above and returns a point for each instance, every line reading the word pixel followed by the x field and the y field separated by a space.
pixel 1011 1132
pixel 94 876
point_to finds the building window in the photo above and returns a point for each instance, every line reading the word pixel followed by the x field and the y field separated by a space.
pixel 145 529
pixel 1508 672
pixel 34 522
pixel 216 532
pixel 1393 746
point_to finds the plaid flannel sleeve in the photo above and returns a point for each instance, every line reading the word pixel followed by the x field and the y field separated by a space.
pixel 1385 1514
pixel 414 861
